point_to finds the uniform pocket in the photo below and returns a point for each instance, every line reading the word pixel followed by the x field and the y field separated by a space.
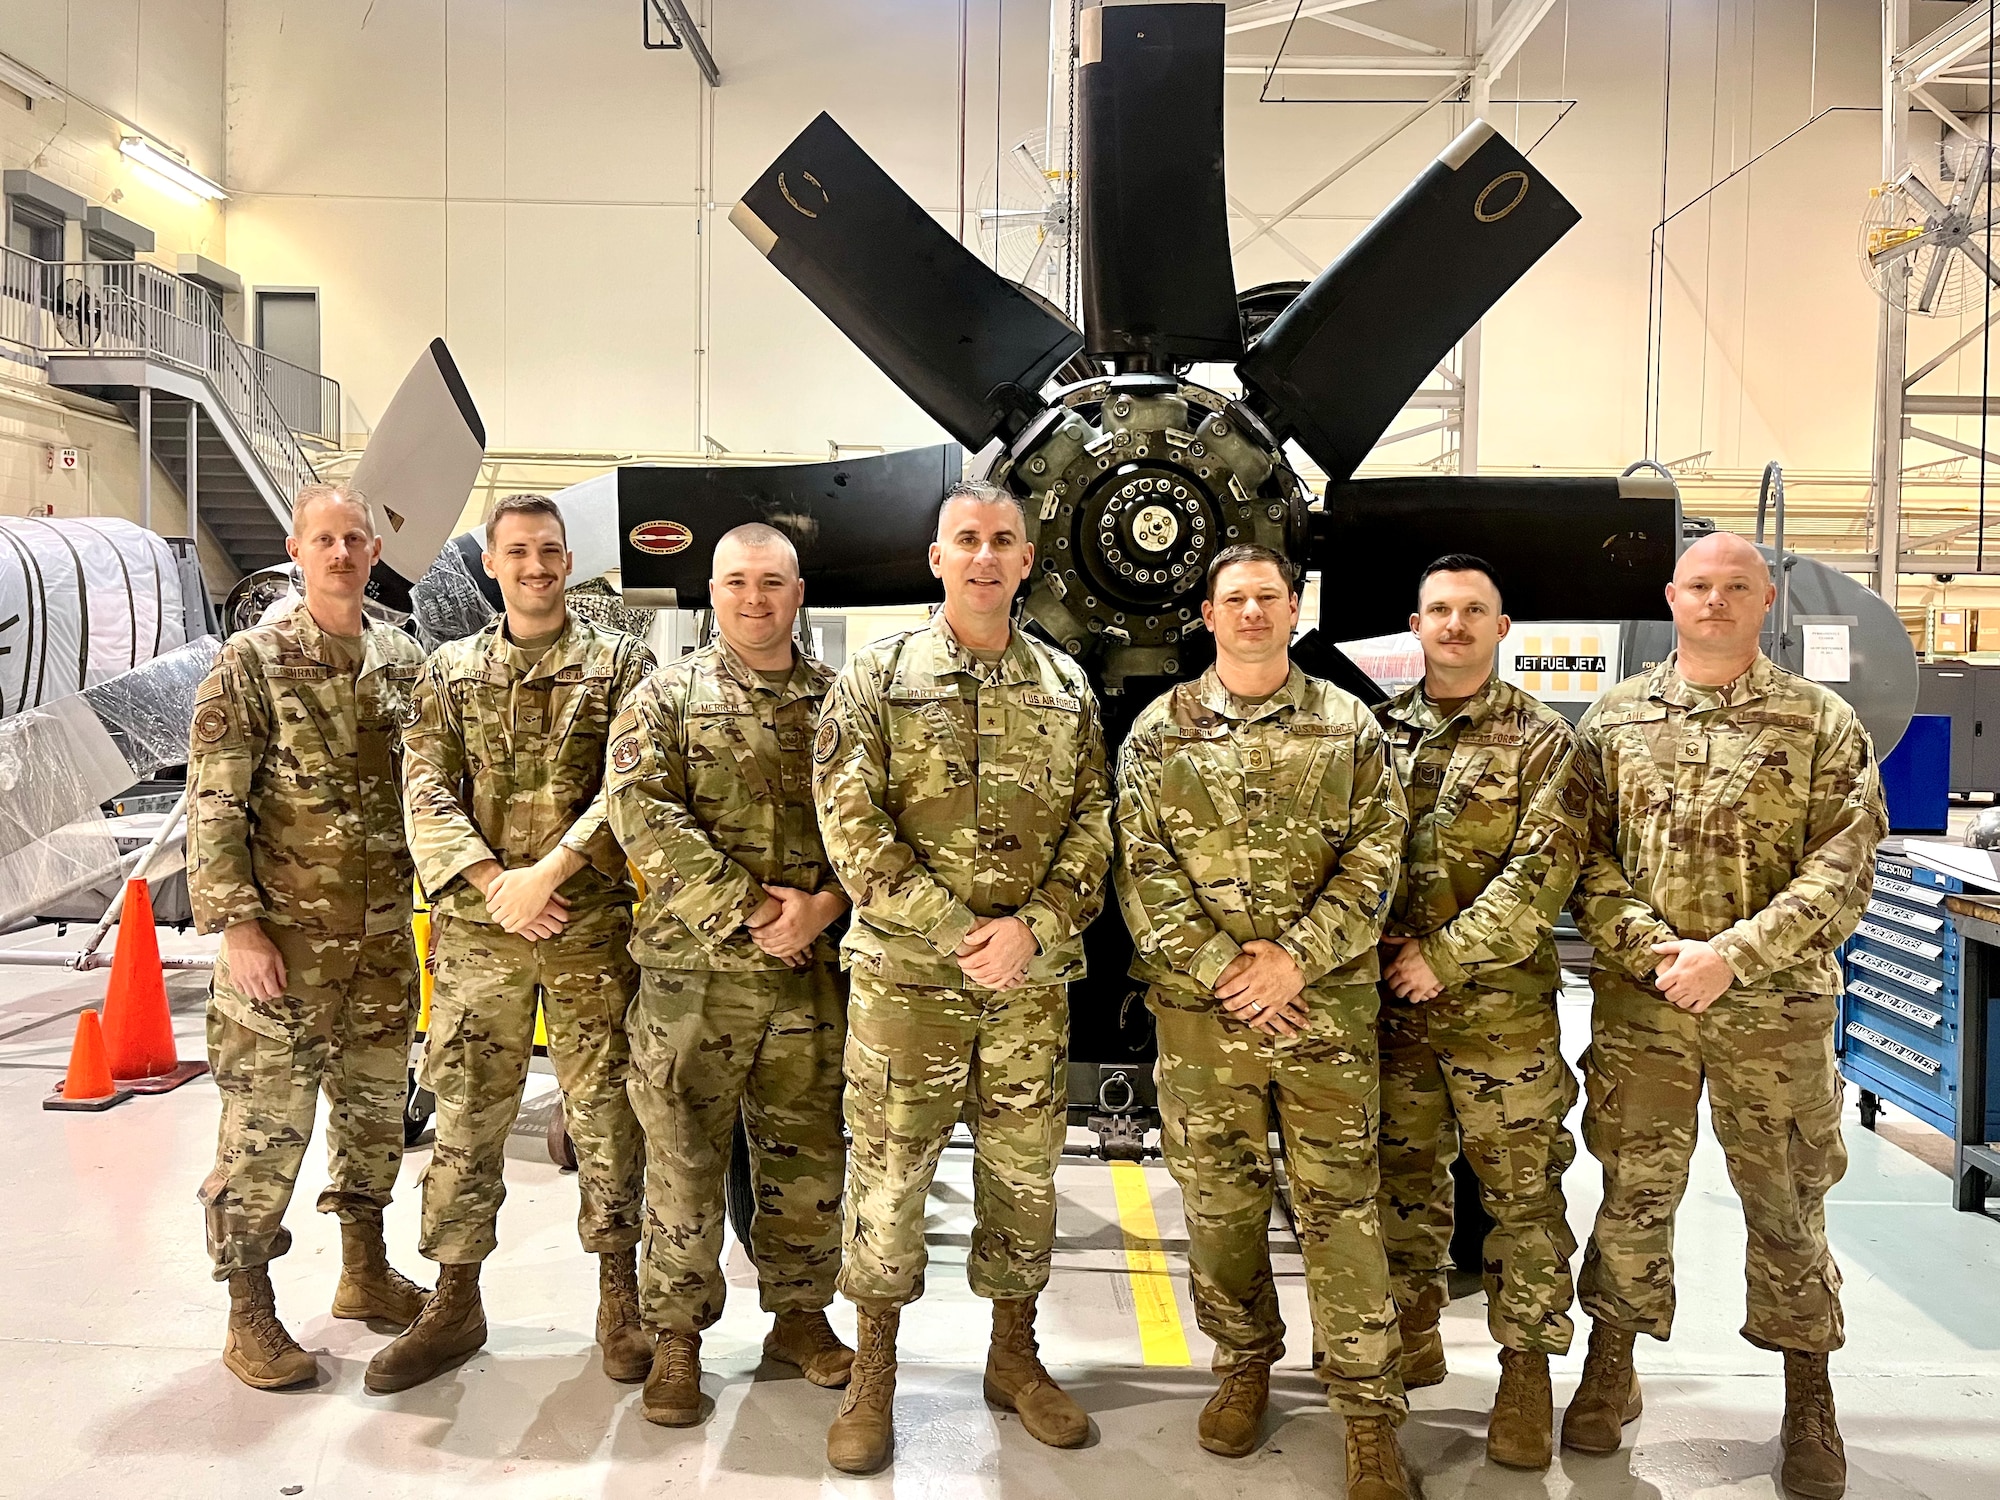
pixel 1601 1132
pixel 443 1068
pixel 1818 1149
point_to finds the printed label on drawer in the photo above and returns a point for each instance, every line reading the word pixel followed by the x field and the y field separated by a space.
pixel 1908 1009
pixel 1902 890
pixel 1879 934
pixel 1901 918
pixel 1895 1049
pixel 1930 984
pixel 1891 868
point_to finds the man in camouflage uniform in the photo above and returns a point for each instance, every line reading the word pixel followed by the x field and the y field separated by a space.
pixel 960 777
pixel 295 855
pixel 1499 813
pixel 530 904
pixel 741 1006
pixel 1260 830
pixel 1733 853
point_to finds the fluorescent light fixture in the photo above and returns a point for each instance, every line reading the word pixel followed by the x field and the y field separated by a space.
pixel 176 171
pixel 25 80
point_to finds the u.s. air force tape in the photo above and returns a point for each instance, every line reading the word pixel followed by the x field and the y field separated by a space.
pixel 826 744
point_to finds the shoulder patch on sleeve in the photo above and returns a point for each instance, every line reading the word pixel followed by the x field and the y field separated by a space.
pixel 625 753
pixel 826 744
pixel 626 721
pixel 211 723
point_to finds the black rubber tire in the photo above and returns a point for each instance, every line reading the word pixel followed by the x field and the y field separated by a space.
pixel 739 1196
pixel 418 1106
pixel 562 1150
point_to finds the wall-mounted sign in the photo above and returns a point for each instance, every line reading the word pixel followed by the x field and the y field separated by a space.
pixel 1561 663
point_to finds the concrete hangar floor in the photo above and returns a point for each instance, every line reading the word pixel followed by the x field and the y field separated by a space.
pixel 110 1331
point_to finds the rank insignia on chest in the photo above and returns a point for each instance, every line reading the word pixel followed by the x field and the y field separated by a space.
pixel 211 723
pixel 1257 758
pixel 1694 751
pixel 1429 773
pixel 827 743
pixel 625 755
pixel 992 719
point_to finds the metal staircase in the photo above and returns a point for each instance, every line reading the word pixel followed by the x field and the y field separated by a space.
pixel 154 345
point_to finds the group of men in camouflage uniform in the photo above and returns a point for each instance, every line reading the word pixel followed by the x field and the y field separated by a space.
pixel 1342 919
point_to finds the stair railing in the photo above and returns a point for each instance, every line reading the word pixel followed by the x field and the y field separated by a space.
pixel 130 307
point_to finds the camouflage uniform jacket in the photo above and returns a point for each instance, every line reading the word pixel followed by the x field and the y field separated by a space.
pixel 503 761
pixel 1499 816
pixel 947 793
pixel 294 816
pixel 1281 821
pixel 1751 822
pixel 710 792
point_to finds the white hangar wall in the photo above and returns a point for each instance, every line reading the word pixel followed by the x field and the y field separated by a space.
pixel 523 176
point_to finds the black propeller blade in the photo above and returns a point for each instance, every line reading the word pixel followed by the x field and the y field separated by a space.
pixel 968 346
pixel 1340 362
pixel 1157 277
pixel 1567 549
pixel 862 526
pixel 419 467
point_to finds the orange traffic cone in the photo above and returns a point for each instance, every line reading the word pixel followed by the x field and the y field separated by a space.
pixel 89 1086
pixel 138 1030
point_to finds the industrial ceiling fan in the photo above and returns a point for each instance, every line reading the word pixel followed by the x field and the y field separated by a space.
pixel 1927 236
pixel 1133 477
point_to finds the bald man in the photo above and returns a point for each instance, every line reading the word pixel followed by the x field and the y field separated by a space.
pixel 1732 853
pixel 742 1007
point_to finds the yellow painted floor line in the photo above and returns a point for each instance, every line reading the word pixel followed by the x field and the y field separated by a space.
pixel 1161 1338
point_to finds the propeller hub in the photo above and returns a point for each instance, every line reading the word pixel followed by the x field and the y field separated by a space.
pixel 1132 484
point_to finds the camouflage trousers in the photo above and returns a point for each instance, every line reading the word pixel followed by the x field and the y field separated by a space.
pixel 1221 1084
pixel 482 1032
pixel 915 1055
pixel 706 1046
pixel 1481 1065
pixel 342 1026
pixel 1774 1099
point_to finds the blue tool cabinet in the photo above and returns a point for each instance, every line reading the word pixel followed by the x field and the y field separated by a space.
pixel 1907 1016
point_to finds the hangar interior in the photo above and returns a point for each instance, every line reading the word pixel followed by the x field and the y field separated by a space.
pixel 515 243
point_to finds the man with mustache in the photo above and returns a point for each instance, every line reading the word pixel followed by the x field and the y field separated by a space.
pixel 1499 812
pixel 531 904
pixel 1260 829
pixel 1732 854
pixel 959 773
pixel 295 855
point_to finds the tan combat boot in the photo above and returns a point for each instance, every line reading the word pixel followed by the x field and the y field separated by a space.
pixel 628 1348
pixel 1521 1432
pixel 1374 1461
pixel 1815 1457
pixel 1235 1413
pixel 863 1435
pixel 1016 1381
pixel 1422 1361
pixel 258 1350
pixel 370 1288
pixel 451 1326
pixel 672 1397
pixel 802 1338
pixel 1607 1397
